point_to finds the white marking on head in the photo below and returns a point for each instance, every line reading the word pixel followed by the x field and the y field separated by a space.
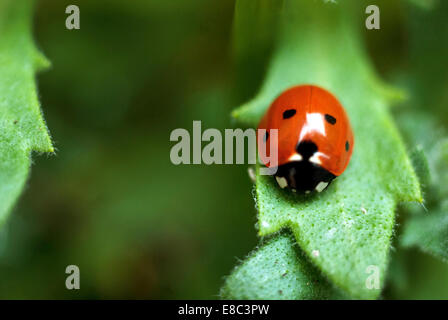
pixel 317 156
pixel 295 157
pixel 282 182
pixel 363 210
pixel 315 253
pixel 315 159
pixel 321 186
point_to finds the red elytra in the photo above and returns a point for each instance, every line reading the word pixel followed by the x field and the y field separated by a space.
pixel 315 140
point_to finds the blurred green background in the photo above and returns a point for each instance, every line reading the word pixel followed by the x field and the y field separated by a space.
pixel 111 202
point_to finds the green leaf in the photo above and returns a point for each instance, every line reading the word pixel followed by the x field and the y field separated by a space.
pixel 416 276
pixel 430 152
pixel 421 165
pixel 255 25
pixel 429 232
pixel 254 32
pixel 427 228
pixel 425 4
pixel 347 228
pixel 22 127
pixel 277 270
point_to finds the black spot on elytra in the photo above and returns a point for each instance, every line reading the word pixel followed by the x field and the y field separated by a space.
pixel 347 146
pixel 289 113
pixel 266 136
pixel 330 119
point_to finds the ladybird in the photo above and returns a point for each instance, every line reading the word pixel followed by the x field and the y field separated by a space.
pixel 315 139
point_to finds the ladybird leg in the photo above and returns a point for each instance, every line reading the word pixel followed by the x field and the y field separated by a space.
pixel 315 159
pixel 282 182
pixel 321 186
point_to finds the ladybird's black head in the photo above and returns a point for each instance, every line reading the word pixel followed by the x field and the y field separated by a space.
pixel 306 149
pixel 303 176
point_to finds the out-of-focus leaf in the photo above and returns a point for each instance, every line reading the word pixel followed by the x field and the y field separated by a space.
pixel 277 270
pixel 348 227
pixel 421 165
pixel 414 276
pixel 427 227
pixel 426 51
pixel 429 232
pixel 255 26
pixel 430 151
pixel 425 4
pixel 22 128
